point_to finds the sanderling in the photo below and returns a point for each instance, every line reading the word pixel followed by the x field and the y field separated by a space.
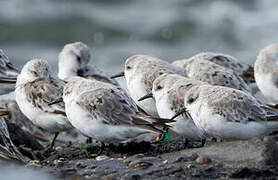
pixel 11 112
pixel 106 112
pixel 35 88
pixel 8 74
pixel 266 72
pixel 244 70
pixel 227 113
pixel 140 72
pixel 73 61
pixel 168 91
pixel 212 73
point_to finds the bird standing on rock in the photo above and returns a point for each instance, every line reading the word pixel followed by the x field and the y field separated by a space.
pixel 214 74
pixel 74 61
pixel 245 71
pixel 140 72
pixel 168 92
pixel 227 113
pixel 35 88
pixel 106 112
pixel 266 72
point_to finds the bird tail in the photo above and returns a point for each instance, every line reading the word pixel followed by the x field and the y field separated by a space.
pixel 272 123
pixel 155 124
pixel 248 75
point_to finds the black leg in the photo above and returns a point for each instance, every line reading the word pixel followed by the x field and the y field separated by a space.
pixel 186 142
pixel 89 140
pixel 53 141
pixel 102 146
pixel 203 142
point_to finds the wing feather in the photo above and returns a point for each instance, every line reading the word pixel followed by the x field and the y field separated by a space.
pixel 235 105
pixel 42 91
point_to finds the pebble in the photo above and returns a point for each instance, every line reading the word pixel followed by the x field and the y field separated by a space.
pixel 93 155
pixel 58 148
pixel 203 160
pixel 34 161
pixel 91 166
pixel 140 164
pixel 101 158
pixel 193 156
pixel 165 162
pixel 126 161
pixel 189 166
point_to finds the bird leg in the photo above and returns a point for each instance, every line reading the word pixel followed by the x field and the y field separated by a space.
pixel 52 143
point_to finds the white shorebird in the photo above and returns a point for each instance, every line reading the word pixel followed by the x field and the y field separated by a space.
pixel 106 112
pixel 212 73
pixel 12 113
pixel 35 88
pixel 8 74
pixel 266 72
pixel 245 71
pixel 168 91
pixel 227 113
pixel 74 61
pixel 140 72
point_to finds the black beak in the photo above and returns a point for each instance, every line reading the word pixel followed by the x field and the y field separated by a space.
pixel 150 95
pixel 6 79
pixel 3 112
pixel 121 74
pixel 180 112
pixel 56 101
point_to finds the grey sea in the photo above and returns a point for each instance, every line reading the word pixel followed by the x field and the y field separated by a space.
pixel 117 29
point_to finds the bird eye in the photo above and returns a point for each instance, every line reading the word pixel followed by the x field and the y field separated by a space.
pixel 34 72
pixel 128 67
pixel 190 100
pixel 159 87
pixel 79 59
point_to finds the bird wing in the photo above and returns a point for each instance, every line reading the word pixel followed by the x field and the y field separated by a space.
pixel 234 105
pixel 92 72
pixel 111 104
pixel 43 91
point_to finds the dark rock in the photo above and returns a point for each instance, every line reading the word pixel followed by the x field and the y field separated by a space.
pixel 270 152
pixel 253 152
pixel 23 138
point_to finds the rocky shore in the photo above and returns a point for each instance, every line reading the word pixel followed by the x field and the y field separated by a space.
pixel 251 159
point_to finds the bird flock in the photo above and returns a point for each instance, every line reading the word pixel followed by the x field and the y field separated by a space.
pixel 208 95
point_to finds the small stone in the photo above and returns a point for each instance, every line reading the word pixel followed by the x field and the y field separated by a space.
pixel 93 176
pixel 203 160
pixel 189 166
pixel 56 161
pixel 58 148
pixel 183 159
pixel 126 161
pixel 34 161
pixel 193 156
pixel 165 162
pixel 107 178
pixel 91 166
pixel 61 159
pixel 93 155
pixel 217 165
pixel 101 158
pixel 140 164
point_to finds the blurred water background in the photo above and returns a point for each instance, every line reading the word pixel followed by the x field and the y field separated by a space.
pixel 116 29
